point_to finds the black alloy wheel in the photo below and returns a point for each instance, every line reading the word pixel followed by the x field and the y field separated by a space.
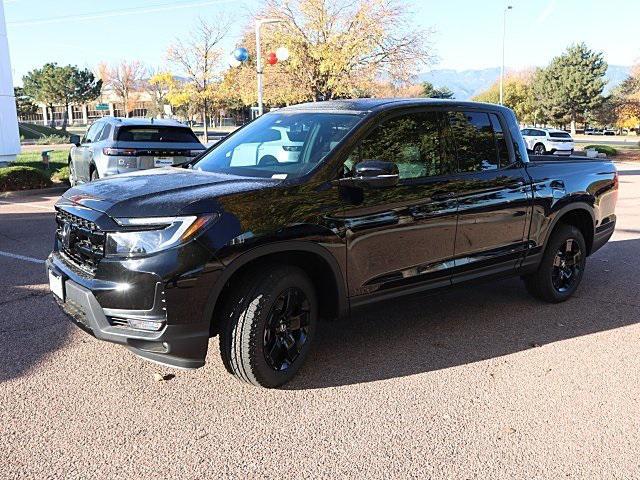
pixel 287 329
pixel 567 265
pixel 562 266
pixel 268 324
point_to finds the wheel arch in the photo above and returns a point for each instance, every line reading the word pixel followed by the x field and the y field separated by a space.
pixel 313 259
pixel 579 215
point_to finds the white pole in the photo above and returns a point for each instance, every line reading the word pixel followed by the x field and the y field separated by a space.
pixel 9 135
pixel 259 67
pixel 504 36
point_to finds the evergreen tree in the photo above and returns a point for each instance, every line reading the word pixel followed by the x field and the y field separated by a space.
pixel 572 84
pixel 429 91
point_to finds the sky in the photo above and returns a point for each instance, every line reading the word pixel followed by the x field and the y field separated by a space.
pixel 466 34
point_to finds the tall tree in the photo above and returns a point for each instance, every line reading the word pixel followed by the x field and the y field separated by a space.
pixel 24 105
pixel 338 49
pixel 55 85
pixel 125 79
pixel 518 96
pixel 572 84
pixel 429 91
pixel 199 58
pixel 74 86
pixel 39 85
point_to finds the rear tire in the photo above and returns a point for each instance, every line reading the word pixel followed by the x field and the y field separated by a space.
pixel 73 181
pixel 562 267
pixel 269 323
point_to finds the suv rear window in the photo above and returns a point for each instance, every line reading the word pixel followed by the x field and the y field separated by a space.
pixel 559 135
pixel 156 134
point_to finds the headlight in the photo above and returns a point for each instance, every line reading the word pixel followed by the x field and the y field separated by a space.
pixel 154 234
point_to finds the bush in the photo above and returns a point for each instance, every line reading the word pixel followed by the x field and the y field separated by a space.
pixel 22 178
pixel 606 149
pixel 51 140
pixel 61 175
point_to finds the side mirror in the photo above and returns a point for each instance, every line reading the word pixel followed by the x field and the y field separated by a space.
pixel 75 139
pixel 376 174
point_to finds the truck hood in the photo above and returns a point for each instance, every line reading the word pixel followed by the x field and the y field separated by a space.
pixel 162 192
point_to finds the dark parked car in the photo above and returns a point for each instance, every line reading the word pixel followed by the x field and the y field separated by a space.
pixel 385 198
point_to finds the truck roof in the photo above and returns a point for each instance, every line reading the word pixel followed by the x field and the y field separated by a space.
pixel 377 104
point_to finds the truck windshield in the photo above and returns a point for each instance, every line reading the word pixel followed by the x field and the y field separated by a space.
pixel 279 145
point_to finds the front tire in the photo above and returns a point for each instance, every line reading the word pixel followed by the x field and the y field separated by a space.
pixel 562 266
pixel 269 324
pixel 539 149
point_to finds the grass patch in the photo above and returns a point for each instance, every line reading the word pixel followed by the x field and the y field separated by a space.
pixel 52 140
pixel 22 177
pixel 606 149
pixel 31 131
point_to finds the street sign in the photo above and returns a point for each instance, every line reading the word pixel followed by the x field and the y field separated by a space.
pixel 102 106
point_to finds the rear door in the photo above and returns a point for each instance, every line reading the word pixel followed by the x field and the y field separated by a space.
pixel 402 235
pixel 494 196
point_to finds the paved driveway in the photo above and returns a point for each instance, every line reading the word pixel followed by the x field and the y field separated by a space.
pixel 481 382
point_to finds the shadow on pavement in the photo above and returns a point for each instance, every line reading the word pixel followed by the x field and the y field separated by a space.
pixel 457 327
pixel 31 324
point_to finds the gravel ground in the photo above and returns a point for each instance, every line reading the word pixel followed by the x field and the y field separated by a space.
pixel 481 382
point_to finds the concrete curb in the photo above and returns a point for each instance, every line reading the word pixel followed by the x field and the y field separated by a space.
pixel 38 191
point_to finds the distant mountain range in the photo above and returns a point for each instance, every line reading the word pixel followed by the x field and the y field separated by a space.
pixel 467 83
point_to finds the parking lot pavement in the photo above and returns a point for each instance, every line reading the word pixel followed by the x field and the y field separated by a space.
pixel 480 382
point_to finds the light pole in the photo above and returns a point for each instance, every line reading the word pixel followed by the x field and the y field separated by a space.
pixel 259 23
pixel 504 36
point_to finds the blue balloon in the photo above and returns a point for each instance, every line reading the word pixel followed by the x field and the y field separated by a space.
pixel 241 54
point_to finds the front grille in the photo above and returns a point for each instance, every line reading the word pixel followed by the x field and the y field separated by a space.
pixel 80 240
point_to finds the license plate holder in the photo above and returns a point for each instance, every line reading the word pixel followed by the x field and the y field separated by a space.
pixel 56 285
pixel 162 161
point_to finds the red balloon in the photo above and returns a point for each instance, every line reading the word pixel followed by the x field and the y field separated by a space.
pixel 272 59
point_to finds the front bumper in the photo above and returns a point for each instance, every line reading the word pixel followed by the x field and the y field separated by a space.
pixel 176 345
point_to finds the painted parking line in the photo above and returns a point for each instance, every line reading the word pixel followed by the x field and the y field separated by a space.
pixel 16 204
pixel 21 257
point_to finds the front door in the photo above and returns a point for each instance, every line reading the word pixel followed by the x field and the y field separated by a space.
pixel 494 197
pixel 402 236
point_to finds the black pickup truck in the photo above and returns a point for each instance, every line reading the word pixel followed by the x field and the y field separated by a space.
pixel 311 211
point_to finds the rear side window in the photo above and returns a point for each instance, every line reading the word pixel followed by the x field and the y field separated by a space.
pixel 106 131
pixel 476 145
pixel 156 135
pixel 559 135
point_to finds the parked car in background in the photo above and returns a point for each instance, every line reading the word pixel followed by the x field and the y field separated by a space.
pixel 386 198
pixel 274 145
pixel 543 141
pixel 610 131
pixel 121 145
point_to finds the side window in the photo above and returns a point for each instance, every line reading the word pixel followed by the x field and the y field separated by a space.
pixel 501 141
pixel 416 142
pixel 526 132
pixel 106 131
pixel 92 133
pixel 476 145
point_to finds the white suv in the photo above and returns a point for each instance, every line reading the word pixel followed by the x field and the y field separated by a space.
pixel 543 141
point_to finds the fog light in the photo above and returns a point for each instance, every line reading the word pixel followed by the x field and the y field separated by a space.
pixel 145 324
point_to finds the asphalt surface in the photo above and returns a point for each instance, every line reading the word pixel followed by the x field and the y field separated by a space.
pixel 480 382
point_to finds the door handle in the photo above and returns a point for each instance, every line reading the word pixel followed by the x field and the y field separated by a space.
pixel 557 185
